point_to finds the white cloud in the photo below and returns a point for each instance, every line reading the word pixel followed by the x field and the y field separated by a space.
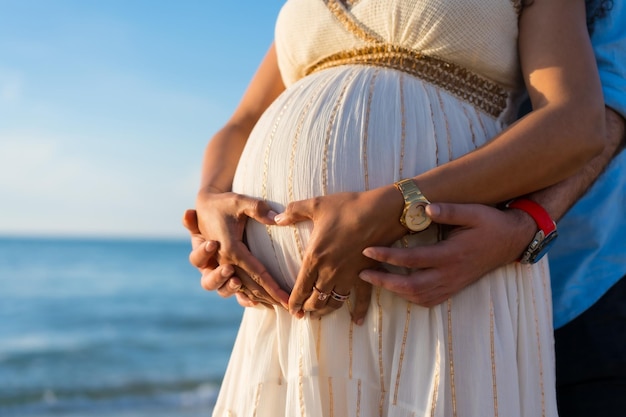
pixel 47 188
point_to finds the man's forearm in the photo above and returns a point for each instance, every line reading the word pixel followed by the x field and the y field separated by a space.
pixel 559 198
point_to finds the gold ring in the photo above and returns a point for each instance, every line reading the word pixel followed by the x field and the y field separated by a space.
pixel 339 297
pixel 322 296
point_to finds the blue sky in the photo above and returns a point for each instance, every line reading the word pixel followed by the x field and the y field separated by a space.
pixel 106 106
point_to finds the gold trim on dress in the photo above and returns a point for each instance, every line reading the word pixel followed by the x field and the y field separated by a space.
pixel 459 81
pixel 349 22
pixel 451 358
pixel 492 343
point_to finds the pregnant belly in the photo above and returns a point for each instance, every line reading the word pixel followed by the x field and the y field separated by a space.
pixel 349 128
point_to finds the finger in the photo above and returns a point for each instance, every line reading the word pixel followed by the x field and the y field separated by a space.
pixel 396 283
pixel 190 221
pixel 396 256
pixel 420 257
pixel 420 287
pixel 216 278
pixel 296 211
pixel 244 301
pixel 255 270
pixel 303 290
pixel 230 287
pixel 331 306
pixel 203 255
pixel 318 300
pixel 362 298
pixel 259 210
pixel 253 290
pixel 238 254
pixel 454 214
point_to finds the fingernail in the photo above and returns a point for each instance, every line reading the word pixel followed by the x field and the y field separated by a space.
pixel 367 252
pixel 433 209
pixel 227 271
pixel 278 218
pixel 233 285
pixel 272 215
pixel 359 322
pixel 365 276
pixel 210 245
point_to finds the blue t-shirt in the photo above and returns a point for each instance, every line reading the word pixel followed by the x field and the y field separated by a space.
pixel 589 255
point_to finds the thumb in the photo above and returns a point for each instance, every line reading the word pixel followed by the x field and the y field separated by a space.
pixel 296 211
pixel 190 221
pixel 260 211
pixel 363 295
pixel 453 214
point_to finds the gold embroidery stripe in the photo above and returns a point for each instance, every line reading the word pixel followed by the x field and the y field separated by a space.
pixel 350 23
pixel 451 358
pixel 301 376
pixel 350 345
pixel 330 394
pixel 266 164
pixel 532 294
pixel 436 389
pixel 329 130
pixel 318 341
pixel 366 123
pixel 402 350
pixel 493 358
pixel 403 127
pixel 292 158
pixel 459 81
pixel 448 139
pixel 436 139
pixel 471 125
pixel 358 401
pixel 380 352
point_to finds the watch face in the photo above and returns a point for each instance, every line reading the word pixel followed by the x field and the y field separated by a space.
pixel 416 219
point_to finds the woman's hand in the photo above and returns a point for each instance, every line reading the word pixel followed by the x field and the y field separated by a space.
pixel 221 218
pixel 226 280
pixel 343 225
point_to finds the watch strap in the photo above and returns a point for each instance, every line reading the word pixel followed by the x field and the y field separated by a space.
pixel 546 235
pixel 410 191
pixel 537 212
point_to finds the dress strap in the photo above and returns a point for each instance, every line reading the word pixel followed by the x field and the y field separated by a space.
pixel 351 23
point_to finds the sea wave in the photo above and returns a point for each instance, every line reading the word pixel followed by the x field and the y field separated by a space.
pixel 132 397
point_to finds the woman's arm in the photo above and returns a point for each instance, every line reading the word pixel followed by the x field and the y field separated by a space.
pixel 224 149
pixel 563 132
pixel 221 214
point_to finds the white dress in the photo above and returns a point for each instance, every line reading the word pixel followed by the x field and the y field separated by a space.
pixel 377 91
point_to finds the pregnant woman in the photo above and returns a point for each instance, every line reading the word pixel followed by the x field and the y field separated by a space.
pixel 359 109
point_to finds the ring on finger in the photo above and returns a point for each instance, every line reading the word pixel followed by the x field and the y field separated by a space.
pixel 339 297
pixel 321 296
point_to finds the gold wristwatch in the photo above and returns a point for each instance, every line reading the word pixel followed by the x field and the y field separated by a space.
pixel 413 216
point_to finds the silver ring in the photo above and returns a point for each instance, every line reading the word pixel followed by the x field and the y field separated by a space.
pixel 322 296
pixel 339 297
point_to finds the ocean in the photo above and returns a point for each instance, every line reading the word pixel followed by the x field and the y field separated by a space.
pixel 105 327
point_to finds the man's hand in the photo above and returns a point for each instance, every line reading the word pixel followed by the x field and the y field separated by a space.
pixel 485 238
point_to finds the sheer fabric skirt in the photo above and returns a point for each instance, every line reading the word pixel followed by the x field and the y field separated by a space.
pixel 488 351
